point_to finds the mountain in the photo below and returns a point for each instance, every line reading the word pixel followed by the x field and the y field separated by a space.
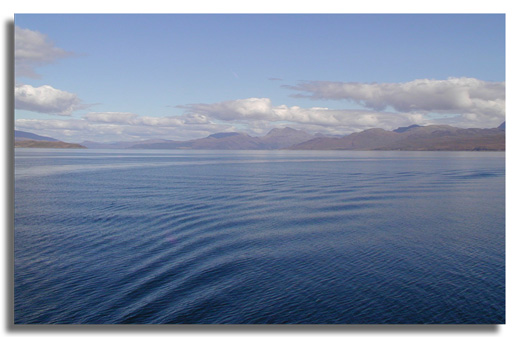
pixel 28 139
pixel 282 138
pixel 409 138
pixel 121 145
pixel 275 139
pixel 22 135
pixel 414 138
pixel 217 141
pixel 47 144
pixel 406 128
pixel 227 141
pixel 364 140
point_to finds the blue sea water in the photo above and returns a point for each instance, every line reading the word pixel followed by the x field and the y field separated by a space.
pixel 120 236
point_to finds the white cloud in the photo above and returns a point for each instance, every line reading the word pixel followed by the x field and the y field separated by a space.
pixel 51 124
pixel 110 117
pixel 457 102
pixel 260 109
pixel 124 126
pixel 474 101
pixel 33 49
pixel 260 115
pixel 46 99
pixel 241 109
pixel 128 118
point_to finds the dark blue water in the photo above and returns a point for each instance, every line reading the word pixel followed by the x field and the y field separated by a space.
pixel 259 237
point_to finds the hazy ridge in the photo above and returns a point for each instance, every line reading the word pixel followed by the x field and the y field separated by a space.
pixel 410 138
pixel 28 139
pixel 414 138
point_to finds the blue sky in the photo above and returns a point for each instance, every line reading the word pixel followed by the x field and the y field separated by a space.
pixel 131 77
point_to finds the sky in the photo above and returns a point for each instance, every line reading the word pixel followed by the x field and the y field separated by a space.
pixel 130 77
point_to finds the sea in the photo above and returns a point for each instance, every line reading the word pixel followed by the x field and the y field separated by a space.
pixel 258 237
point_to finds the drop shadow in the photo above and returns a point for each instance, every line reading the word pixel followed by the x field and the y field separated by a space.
pixel 8 142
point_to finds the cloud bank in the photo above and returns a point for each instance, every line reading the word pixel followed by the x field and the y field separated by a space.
pixel 33 49
pixel 461 102
pixel 471 99
pixel 262 110
pixel 124 126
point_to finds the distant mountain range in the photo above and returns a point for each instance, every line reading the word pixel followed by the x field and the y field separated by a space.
pixel 410 138
pixel 276 139
pixel 28 139
pixel 414 138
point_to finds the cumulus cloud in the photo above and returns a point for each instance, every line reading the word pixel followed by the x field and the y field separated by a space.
pixel 470 98
pixel 33 49
pixel 252 111
pixel 46 99
pixel 260 109
pixel 241 109
pixel 423 94
pixel 457 102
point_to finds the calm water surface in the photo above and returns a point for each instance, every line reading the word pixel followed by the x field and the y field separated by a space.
pixel 115 236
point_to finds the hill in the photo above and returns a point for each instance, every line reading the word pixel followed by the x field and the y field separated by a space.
pixel 276 139
pixel 28 139
pixel 409 138
pixel 414 138
pixel 22 135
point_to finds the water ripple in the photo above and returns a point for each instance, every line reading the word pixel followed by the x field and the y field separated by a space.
pixel 179 237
